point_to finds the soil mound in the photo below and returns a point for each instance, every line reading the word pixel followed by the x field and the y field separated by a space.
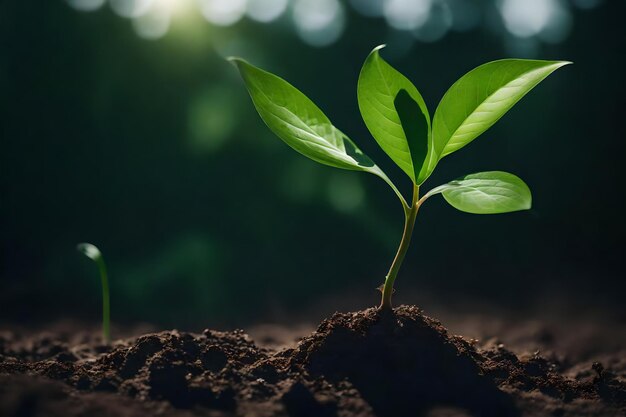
pixel 403 363
pixel 367 363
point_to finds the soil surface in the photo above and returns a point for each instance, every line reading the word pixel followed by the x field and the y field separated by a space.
pixel 366 363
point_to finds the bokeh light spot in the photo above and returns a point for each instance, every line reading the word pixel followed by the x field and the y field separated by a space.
pixel 559 26
pixel 130 8
pixel 86 5
pixel 266 10
pixel 319 22
pixel 223 12
pixel 525 18
pixel 406 14
pixel 155 23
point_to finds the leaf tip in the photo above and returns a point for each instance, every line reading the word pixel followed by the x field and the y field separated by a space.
pixel 89 250
pixel 559 64
pixel 529 202
pixel 374 52
pixel 235 60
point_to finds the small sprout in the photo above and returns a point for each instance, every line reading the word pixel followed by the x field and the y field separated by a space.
pixel 397 117
pixel 95 255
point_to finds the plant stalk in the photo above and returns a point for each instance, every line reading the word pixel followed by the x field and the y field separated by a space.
pixel 106 307
pixel 410 213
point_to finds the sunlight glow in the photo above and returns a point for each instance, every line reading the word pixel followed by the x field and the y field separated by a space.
pixel 155 23
pixel 322 22
pixel 180 8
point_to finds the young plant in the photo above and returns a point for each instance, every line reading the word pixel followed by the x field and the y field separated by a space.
pixel 398 119
pixel 95 255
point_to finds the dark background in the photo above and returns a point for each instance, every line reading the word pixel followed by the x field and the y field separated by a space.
pixel 151 150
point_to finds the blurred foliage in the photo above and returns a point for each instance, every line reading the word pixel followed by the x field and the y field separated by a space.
pixel 149 147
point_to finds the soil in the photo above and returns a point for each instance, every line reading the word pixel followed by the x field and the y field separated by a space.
pixel 365 363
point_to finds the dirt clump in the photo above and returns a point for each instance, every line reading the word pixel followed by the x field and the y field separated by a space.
pixel 366 363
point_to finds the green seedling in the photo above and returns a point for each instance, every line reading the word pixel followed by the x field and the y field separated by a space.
pixel 398 119
pixel 95 255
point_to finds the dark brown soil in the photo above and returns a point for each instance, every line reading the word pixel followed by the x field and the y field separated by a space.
pixel 366 363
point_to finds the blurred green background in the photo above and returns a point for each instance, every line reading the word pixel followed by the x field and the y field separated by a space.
pixel 123 125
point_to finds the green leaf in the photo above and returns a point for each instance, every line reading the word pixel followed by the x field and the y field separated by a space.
pixel 486 193
pixel 295 119
pixel 481 97
pixel 396 115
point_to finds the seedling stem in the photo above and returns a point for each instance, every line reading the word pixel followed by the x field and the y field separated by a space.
pixel 106 306
pixel 410 214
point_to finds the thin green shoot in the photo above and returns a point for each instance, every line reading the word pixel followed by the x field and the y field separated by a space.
pixel 93 253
